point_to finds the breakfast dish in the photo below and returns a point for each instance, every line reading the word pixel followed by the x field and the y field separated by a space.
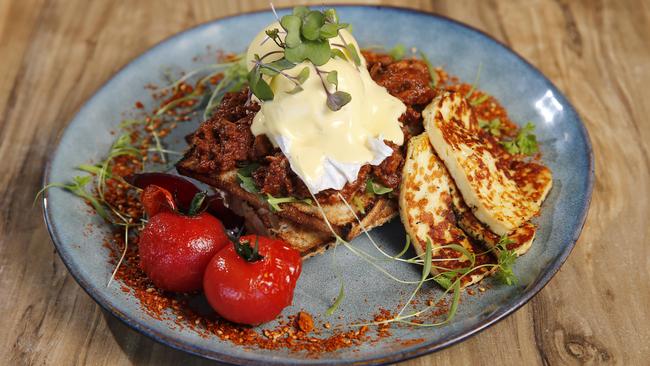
pixel 309 141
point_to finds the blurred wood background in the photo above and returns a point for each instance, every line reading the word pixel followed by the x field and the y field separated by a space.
pixel 55 54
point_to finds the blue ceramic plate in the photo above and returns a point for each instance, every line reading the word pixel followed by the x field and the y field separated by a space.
pixel 523 90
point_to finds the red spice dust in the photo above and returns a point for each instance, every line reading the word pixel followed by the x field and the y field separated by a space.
pixel 297 333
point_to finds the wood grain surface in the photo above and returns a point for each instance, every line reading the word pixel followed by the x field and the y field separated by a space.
pixel 55 54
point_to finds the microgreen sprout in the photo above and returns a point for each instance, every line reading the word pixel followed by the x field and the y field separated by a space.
pixel 506 259
pixel 493 126
pixel 246 181
pixel 524 143
pixel 432 72
pixel 376 188
pixel 305 36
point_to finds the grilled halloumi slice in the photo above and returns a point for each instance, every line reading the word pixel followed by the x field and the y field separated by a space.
pixel 426 211
pixel 534 180
pixel 494 197
pixel 521 238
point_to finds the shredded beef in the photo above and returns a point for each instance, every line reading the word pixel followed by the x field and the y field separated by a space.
pixel 225 141
pixel 408 79
pixel 276 178
pixel 389 172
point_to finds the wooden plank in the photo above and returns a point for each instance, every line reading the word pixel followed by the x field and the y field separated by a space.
pixel 55 54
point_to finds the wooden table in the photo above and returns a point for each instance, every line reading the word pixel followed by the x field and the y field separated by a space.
pixel 55 54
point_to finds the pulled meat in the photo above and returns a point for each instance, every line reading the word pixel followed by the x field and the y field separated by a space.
pixel 409 80
pixel 276 178
pixel 225 141
pixel 389 172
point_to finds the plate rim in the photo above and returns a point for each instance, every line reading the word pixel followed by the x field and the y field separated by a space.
pixel 397 356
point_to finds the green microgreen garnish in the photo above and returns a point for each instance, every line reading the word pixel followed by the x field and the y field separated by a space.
pixel 246 251
pixel 275 202
pixel 337 301
pixel 432 71
pixel 307 35
pixel 78 188
pixel 246 181
pixel 524 143
pixel 493 126
pixel 245 176
pixel 506 259
pixel 480 100
pixel 337 272
pixel 358 204
pixel 376 188
pixel 398 52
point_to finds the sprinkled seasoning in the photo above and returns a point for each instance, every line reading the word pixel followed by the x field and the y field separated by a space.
pixel 298 332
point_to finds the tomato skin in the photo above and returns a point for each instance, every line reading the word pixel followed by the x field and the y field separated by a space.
pixel 156 199
pixel 252 292
pixel 183 191
pixel 175 249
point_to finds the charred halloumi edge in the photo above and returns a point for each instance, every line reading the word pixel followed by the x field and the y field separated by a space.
pixel 426 210
pixel 535 181
pixel 495 199
pixel 521 238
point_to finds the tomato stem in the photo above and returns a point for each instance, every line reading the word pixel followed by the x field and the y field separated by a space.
pixel 196 207
pixel 248 253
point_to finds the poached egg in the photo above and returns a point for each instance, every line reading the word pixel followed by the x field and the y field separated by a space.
pixel 327 148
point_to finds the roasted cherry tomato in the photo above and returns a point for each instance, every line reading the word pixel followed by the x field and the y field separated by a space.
pixel 251 281
pixel 175 248
pixel 183 191
pixel 156 199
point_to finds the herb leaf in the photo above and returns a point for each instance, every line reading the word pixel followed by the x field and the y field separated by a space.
pixel 331 16
pixel 331 30
pixel 454 302
pixel 275 202
pixel 443 280
pixel 480 100
pixel 359 204
pixel 274 68
pixel 258 85
pixel 397 52
pixel 296 89
pixel 338 53
pixel 337 302
pixel 432 72
pixel 332 78
pixel 311 24
pixel 376 188
pixel 338 100
pixel 300 11
pixel 352 52
pixel 303 75
pixel 506 259
pixel 291 24
pixel 246 180
pixel 524 143
pixel 493 126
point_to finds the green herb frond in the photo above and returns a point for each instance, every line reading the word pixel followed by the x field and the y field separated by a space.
pixel 525 143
